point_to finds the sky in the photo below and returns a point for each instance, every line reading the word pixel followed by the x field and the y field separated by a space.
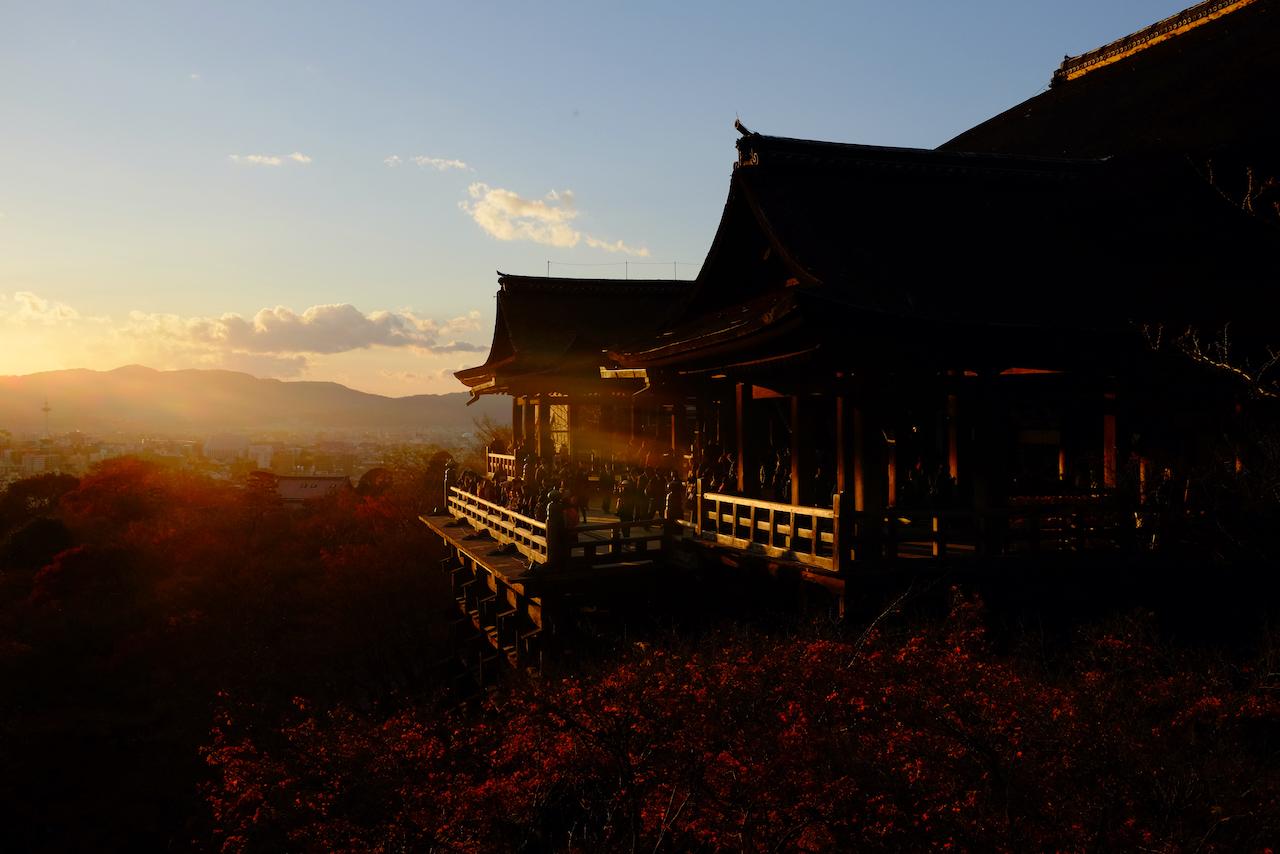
pixel 324 191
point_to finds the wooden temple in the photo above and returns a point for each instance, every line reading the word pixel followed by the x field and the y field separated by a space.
pixel 548 338
pixel 942 354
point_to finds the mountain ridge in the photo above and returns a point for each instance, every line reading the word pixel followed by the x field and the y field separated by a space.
pixel 138 398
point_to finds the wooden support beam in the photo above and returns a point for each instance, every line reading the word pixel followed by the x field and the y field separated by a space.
pixel 891 470
pixel 866 469
pixel 517 420
pixel 1109 440
pixel 801 452
pixel 844 446
pixel 870 464
pixel 990 453
pixel 572 417
pixel 953 436
pixel 542 414
pixel 745 451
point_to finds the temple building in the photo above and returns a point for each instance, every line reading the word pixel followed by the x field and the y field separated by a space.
pixel 980 349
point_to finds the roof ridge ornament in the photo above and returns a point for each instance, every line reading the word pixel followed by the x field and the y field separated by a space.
pixel 747 155
pixel 1188 19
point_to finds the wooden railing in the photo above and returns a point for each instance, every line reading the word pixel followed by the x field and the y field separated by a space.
pixel 825 539
pixel 504 525
pixel 582 546
pixel 831 540
pixel 609 542
pixel 504 463
pixel 804 534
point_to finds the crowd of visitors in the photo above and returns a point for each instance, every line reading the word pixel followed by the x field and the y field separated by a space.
pixel 630 490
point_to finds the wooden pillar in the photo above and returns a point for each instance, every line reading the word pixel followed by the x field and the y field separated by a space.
pixel 517 421
pixel 699 438
pixel 989 470
pixel 742 427
pixel 543 416
pixel 953 434
pixel 571 416
pixel 891 471
pixel 845 407
pixel 868 468
pixel 529 423
pixel 1109 440
pixel 801 452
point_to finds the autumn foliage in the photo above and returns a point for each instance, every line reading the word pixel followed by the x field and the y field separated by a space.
pixel 924 740
pixel 130 598
pixel 189 664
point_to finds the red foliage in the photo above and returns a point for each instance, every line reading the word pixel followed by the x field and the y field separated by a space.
pixel 928 741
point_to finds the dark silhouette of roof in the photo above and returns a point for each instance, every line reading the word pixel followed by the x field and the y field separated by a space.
pixel 561 325
pixel 963 239
pixel 1202 81
pixel 1066 222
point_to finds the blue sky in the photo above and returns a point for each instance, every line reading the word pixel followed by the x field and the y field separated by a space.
pixel 324 190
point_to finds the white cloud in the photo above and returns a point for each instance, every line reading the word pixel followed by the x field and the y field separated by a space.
pixel 277 337
pixel 335 328
pixel 508 216
pixel 392 161
pixel 616 246
pixel 42 334
pixel 195 76
pixel 256 159
pixel 29 309
pixel 269 159
pixel 440 164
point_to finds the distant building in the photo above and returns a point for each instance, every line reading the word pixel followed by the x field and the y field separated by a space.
pixel 261 455
pixel 225 447
pixel 295 490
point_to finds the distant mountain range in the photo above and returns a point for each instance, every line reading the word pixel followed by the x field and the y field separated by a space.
pixel 139 399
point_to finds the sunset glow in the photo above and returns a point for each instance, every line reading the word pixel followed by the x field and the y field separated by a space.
pixel 324 192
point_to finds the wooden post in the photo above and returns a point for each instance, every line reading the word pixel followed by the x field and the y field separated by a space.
pixel 701 517
pixel 517 423
pixel 801 452
pixel 542 414
pixel 844 445
pixel 742 412
pixel 988 473
pixel 867 469
pixel 842 528
pixel 953 436
pixel 1109 440
pixel 572 416
pixel 891 471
